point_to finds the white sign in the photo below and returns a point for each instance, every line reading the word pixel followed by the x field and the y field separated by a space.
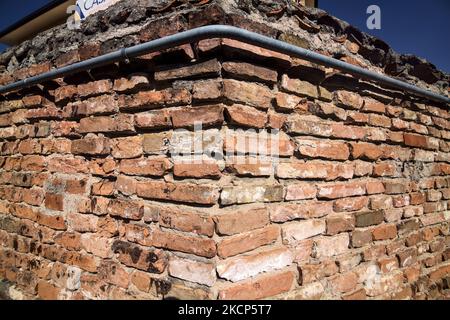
pixel 87 7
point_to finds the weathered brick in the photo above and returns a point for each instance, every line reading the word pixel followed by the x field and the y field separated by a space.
pixel 125 148
pixel 369 218
pixel 243 267
pixel 205 169
pixel 244 242
pixel 302 88
pixel 297 231
pixel 249 194
pixel 193 271
pixel 94 88
pixel 331 246
pixel 145 166
pixel 361 237
pixel 135 82
pixel 300 191
pixel 246 71
pixel 306 210
pixel 149 260
pixel 153 120
pixel 208 68
pixel 184 220
pixel 205 115
pixel 341 190
pixel 188 192
pixel 246 116
pixel 91 146
pixel 154 99
pixel 241 220
pixel 314 170
pixel 120 123
pixel 259 288
pixel 253 94
pixel 350 204
pixel 323 149
pixel 384 232
pixel 348 99
pixel 207 90
pixel 126 209
pixel 339 223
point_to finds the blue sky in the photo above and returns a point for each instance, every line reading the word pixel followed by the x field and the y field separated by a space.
pixel 418 27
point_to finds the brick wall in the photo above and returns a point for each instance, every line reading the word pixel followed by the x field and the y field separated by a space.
pixel 95 205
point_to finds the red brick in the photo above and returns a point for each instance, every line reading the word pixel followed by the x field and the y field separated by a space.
pixel 341 190
pixel 300 191
pixel 103 188
pixel 204 247
pixel 302 88
pixel 340 223
pixel 384 232
pixel 141 280
pixel 306 210
pixel 248 167
pixel 94 88
pixel 377 120
pixel 126 209
pixel 148 260
pixel 67 58
pixel 120 123
pixel 208 68
pixel 361 237
pixel 52 221
pixel 153 120
pixel 154 99
pixel 372 105
pixel 253 94
pixel 187 221
pixel 105 104
pixel 238 221
pixel 386 169
pixel 314 272
pixel 205 115
pixel 419 141
pixel 350 204
pixel 246 116
pixel 259 288
pixel 249 71
pixel 348 99
pixel 369 218
pixel 125 148
pixel 47 291
pixel 135 82
pixel 69 240
pixel 323 149
pixel 207 90
pixel 289 102
pixel 244 242
pixel 145 166
pixel 54 201
pixel 206 169
pixel 361 150
pixel 63 94
pixel 91 146
pixel 344 282
pixel 314 170
pixel 191 193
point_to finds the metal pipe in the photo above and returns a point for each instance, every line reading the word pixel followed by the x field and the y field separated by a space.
pixel 223 31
